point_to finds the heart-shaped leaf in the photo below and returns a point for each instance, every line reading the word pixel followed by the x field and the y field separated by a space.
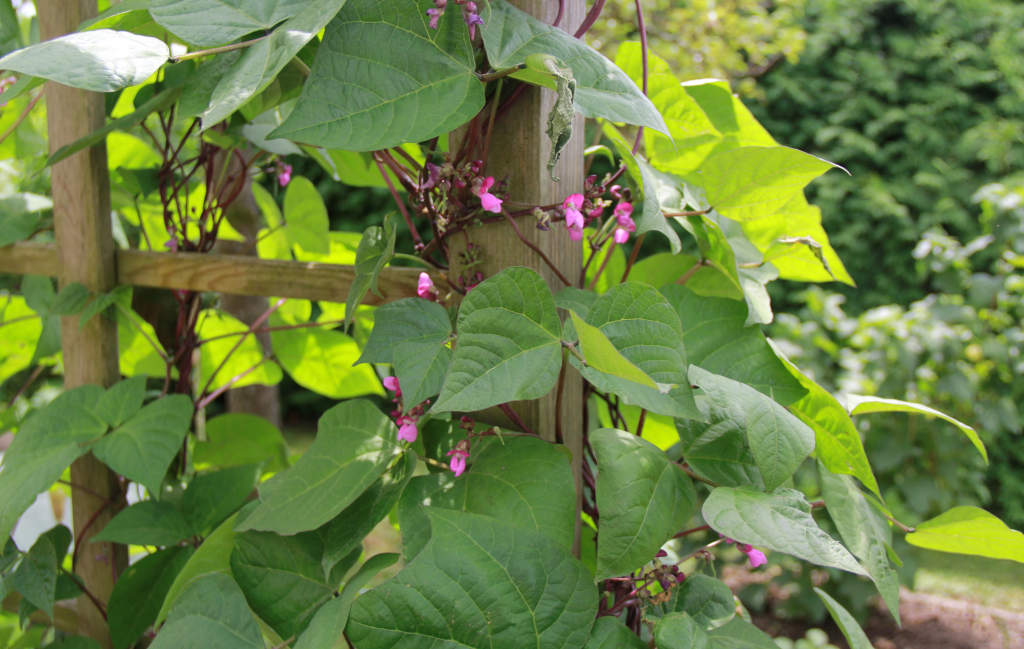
pixel 213 22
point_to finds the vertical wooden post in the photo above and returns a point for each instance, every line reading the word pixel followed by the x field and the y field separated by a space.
pixel 81 211
pixel 519 151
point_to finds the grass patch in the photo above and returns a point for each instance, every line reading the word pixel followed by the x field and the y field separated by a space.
pixel 991 582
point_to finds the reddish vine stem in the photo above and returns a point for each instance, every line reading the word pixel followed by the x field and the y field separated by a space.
pixel 208 399
pixel 590 19
pixel 516 419
pixel 256 323
pixel 21 118
pixel 398 200
pixel 640 422
pixel 84 490
pixel 692 530
pixel 92 598
pixel 533 247
pixel 31 379
pixel 560 14
pixel 690 273
pixel 693 474
pixel 633 255
pixel 643 58
pixel 600 269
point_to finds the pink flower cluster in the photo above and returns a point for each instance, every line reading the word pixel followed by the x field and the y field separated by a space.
pixel 488 201
pixel 284 175
pixel 469 14
pixel 460 453
pixel 574 219
pixel 407 429
pixel 425 288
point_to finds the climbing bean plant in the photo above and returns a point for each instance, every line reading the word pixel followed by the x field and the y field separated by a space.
pixel 693 424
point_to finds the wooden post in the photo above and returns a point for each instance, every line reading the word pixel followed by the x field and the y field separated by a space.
pixel 81 214
pixel 519 152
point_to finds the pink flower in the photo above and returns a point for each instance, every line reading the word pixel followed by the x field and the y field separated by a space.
pixel 284 176
pixel 407 431
pixel 458 457
pixel 425 287
pixel 488 201
pixel 436 13
pixel 621 235
pixel 573 217
pixel 755 556
pixel 391 383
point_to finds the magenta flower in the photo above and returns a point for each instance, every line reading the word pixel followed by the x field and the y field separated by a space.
pixel 407 431
pixel 573 217
pixel 284 176
pixel 621 235
pixel 458 457
pixel 755 556
pixel 425 287
pixel 391 383
pixel 489 201
pixel 469 14
pixel 436 13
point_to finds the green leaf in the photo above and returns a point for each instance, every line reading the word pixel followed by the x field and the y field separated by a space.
pixel 407 320
pixel 522 481
pixel 346 532
pixel 718 341
pixel 139 591
pixel 740 634
pixel 36 576
pixel 213 557
pixel 642 325
pixel 421 85
pixel 23 213
pixel 610 633
pixel 864 405
pixel 376 248
pixel 47 442
pixel 72 642
pixel 212 497
pixel 969 530
pixel 719 453
pixel 214 22
pixel 475 585
pixel 837 442
pixel 778 440
pixel 779 521
pixel 103 60
pixel 847 623
pixel 211 612
pixel 260 63
pixel 421 368
pixel 602 356
pixel 602 89
pixel 222 357
pixel 864 531
pixel 644 498
pixel 147 523
pixel 755 181
pixel 323 361
pixel 707 600
pixel 326 627
pixel 305 216
pixel 649 216
pixel 679 631
pixel 237 439
pixel 142 448
pixel 355 443
pixel 509 343
pixel 281 577
pixel 575 299
pixel 122 400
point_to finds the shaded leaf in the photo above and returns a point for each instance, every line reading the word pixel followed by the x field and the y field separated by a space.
pixel 421 368
pixel 147 523
pixel 139 592
pixel 610 633
pixel 212 497
pixel 679 631
pixel 740 634
pixel 214 22
pixel 211 612
pixel 36 576
pixel 376 248
pixel 213 557
pixel 122 400
pixel 410 319
pixel 847 624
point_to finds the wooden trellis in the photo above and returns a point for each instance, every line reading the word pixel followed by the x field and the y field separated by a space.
pixel 85 253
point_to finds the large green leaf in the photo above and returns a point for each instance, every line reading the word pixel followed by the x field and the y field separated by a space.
pixel 47 443
pixel 36 576
pixel 410 319
pixel 863 405
pixel 122 400
pixel 837 443
pixel 509 343
pixel 212 557
pixel 260 63
pixel 522 481
pixel 717 340
pixel 211 612
pixel 602 356
pixel 641 324
pixel 376 248
pixel 212 497
pixel 139 592
pixel 421 368
pixel 420 85
pixel 103 60
pixel 476 585
pixel 147 523
pixel 779 521
pixel 718 450
pixel 679 631
pixel 305 216
pixel 236 439
pixel 326 627
pixel 778 440
pixel 142 447
pixel 610 633
pixel 969 530
pixel 281 577
pixel 740 634
pixel 355 443
pixel 708 601
pixel 644 498
pixel 865 532
pixel 213 22
pixel 323 361
pixel 602 89
pixel 854 635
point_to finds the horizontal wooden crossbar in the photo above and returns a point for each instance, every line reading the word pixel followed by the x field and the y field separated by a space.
pixel 237 274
